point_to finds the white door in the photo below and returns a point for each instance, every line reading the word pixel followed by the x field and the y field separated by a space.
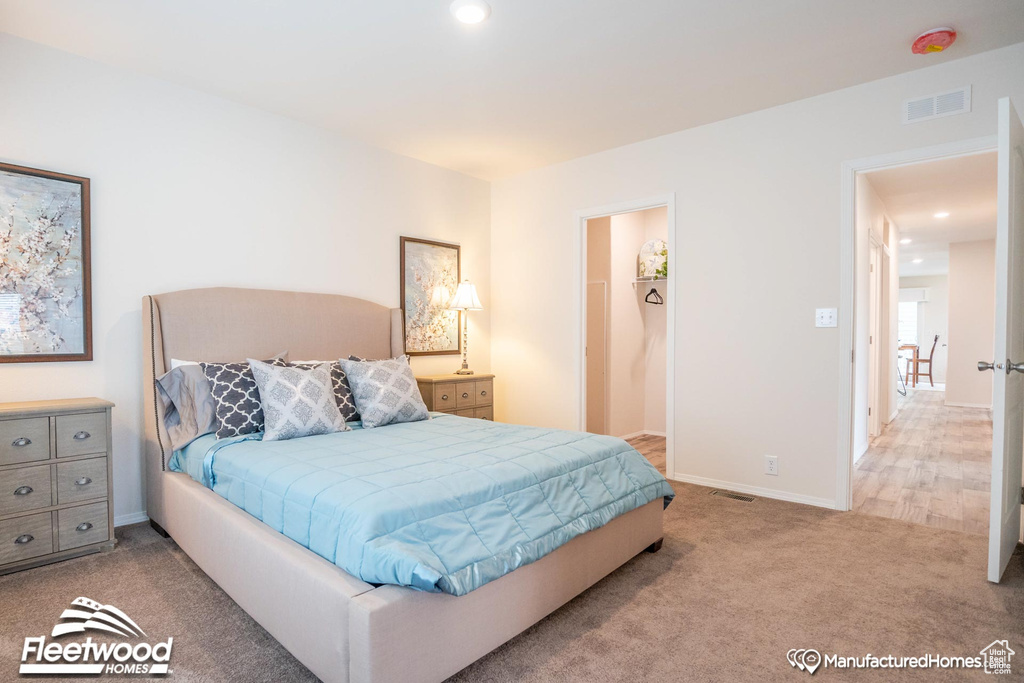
pixel 874 425
pixel 1008 398
pixel 597 334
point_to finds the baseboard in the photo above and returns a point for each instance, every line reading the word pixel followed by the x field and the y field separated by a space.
pixel 642 432
pixel 858 456
pixel 131 518
pixel 894 415
pixel 757 491
pixel 986 406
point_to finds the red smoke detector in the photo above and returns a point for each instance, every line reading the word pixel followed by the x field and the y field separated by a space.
pixel 934 40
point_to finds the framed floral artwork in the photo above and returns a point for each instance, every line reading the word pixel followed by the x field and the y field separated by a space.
pixel 45 293
pixel 430 275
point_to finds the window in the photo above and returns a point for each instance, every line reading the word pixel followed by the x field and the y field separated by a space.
pixel 907 330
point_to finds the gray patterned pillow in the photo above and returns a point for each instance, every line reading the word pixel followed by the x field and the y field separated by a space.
pixel 385 391
pixel 340 385
pixel 236 398
pixel 297 401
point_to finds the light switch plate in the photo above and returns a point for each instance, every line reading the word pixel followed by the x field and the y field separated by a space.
pixel 826 317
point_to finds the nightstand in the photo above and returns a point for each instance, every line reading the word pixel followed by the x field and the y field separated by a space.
pixel 464 395
pixel 56 480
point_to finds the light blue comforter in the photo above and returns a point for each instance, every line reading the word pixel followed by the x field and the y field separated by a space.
pixel 446 504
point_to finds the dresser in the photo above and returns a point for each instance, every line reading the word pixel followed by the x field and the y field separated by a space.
pixel 465 395
pixel 55 481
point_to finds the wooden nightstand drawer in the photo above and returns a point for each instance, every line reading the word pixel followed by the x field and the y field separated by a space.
pixel 81 434
pixel 444 396
pixel 25 489
pixel 26 537
pixel 485 413
pixel 465 395
pixel 484 392
pixel 468 412
pixel 81 480
pixel 82 525
pixel 24 440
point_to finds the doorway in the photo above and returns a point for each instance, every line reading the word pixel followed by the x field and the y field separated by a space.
pixel 930 227
pixel 627 325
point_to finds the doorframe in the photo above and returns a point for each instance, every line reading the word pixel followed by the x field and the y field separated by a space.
pixel 580 314
pixel 847 283
pixel 875 340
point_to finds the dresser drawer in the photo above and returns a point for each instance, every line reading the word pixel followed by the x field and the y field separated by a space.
pixel 81 434
pixel 484 392
pixel 465 394
pixel 468 412
pixel 24 440
pixel 82 525
pixel 485 413
pixel 24 537
pixel 81 480
pixel 25 489
pixel 444 396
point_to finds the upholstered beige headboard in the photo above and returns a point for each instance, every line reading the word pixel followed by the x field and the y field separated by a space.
pixel 227 324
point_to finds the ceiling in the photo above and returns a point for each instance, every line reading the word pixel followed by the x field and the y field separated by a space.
pixel 540 82
pixel 965 187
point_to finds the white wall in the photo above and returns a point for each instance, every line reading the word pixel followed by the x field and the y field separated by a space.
pixel 933 319
pixel 972 314
pixel 627 357
pixel 757 226
pixel 870 218
pixel 189 190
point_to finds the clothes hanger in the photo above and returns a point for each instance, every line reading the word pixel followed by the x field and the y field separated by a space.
pixel 657 301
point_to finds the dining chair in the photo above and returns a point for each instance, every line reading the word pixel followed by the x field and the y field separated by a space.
pixel 926 361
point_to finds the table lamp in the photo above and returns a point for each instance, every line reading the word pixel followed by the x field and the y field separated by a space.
pixel 465 299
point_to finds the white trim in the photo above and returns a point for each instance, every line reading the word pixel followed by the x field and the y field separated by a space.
pixel 580 313
pixel 642 432
pixel 757 491
pixel 847 258
pixel 131 518
pixel 895 414
pixel 986 406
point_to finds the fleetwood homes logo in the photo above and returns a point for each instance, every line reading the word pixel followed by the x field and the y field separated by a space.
pixel 90 657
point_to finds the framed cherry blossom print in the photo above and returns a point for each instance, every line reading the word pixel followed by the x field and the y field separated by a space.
pixel 45 293
pixel 430 276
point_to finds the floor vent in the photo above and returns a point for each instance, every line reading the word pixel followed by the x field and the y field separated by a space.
pixel 734 496
pixel 937 106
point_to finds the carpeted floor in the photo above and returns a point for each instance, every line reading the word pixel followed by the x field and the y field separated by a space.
pixel 735 586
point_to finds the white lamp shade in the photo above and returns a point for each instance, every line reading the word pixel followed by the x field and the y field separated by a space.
pixel 465 298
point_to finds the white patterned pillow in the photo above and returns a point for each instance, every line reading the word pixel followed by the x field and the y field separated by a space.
pixel 385 391
pixel 296 401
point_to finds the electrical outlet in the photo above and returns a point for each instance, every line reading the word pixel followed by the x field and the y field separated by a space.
pixel 826 317
pixel 771 465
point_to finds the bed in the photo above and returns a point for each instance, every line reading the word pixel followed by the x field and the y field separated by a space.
pixel 341 627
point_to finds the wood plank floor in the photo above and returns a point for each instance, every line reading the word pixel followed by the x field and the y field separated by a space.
pixel 931 465
pixel 652 448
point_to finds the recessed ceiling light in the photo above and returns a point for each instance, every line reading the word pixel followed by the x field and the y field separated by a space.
pixel 918 260
pixel 942 214
pixel 906 240
pixel 470 11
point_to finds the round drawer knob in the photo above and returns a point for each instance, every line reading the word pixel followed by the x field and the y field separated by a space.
pixel 487 418
pixel 23 490
pixel 21 442
pixel 24 538
pixel 465 394
pixel 444 397
pixel 83 481
pixel 81 436
pixel 84 526
pixel 483 393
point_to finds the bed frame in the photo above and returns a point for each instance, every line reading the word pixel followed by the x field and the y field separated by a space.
pixel 340 627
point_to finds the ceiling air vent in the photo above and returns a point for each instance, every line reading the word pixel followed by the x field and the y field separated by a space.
pixel 936 106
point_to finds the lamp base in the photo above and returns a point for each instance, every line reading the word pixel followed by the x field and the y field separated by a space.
pixel 464 371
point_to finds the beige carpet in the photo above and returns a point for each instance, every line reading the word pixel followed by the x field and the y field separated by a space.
pixel 734 588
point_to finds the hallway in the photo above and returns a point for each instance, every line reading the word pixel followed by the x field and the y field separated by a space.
pixel 931 465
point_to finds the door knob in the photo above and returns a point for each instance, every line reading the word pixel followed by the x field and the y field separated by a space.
pixel 1010 366
pixel 983 366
